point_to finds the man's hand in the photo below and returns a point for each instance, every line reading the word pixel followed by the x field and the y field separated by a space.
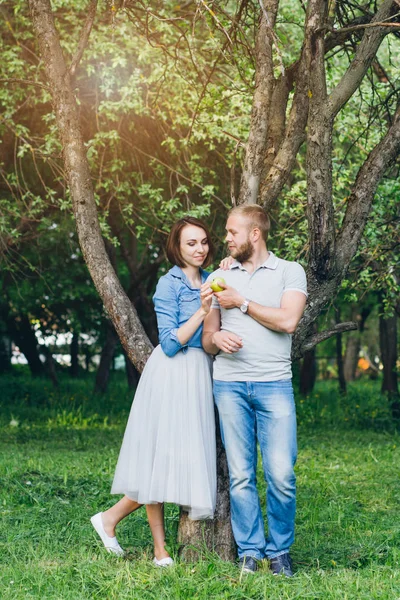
pixel 226 341
pixel 229 298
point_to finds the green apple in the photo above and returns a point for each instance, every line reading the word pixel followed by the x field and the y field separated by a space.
pixel 216 284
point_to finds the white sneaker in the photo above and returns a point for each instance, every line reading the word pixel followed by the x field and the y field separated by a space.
pixel 110 543
pixel 163 562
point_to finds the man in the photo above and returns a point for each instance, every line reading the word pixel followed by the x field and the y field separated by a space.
pixel 249 329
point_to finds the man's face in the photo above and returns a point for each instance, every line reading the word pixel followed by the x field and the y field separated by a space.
pixel 238 238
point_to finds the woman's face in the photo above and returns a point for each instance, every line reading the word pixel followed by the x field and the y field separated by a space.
pixel 193 246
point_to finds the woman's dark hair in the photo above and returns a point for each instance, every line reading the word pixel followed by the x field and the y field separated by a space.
pixel 174 242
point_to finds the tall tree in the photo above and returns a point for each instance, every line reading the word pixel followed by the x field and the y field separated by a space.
pixel 312 116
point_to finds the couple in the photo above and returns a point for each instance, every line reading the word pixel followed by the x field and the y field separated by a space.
pixel 168 451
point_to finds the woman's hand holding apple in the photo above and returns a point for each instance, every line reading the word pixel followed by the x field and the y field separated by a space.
pixel 206 295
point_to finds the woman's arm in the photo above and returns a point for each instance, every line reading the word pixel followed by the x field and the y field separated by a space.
pixel 172 337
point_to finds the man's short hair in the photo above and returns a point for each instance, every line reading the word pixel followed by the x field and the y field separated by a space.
pixel 256 217
pixel 174 242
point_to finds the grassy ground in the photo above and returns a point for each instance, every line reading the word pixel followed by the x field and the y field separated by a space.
pixel 57 455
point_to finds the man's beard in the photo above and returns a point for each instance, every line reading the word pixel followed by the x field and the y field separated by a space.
pixel 244 252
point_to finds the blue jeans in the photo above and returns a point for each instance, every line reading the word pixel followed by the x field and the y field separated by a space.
pixel 265 410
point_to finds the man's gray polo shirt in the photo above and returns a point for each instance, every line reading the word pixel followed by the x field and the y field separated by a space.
pixel 265 355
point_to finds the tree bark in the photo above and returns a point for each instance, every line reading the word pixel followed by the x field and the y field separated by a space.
pixel 131 373
pixel 25 338
pixel 106 359
pixel 351 355
pixel 50 366
pixel 339 360
pixel 389 356
pixel 320 214
pixel 264 86
pixel 339 357
pixel 353 344
pixel 84 38
pixel 74 351
pixel 308 372
pixel 5 354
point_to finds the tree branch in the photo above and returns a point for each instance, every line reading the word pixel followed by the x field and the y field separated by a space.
pixel 26 82
pixel 273 7
pixel 325 335
pixel 321 336
pixel 358 209
pixel 360 200
pixel 276 176
pixel 366 52
pixel 86 29
pixel 257 141
pixel 338 37
pixel 294 135
pixel 320 214
pixel 366 26
pixel 277 120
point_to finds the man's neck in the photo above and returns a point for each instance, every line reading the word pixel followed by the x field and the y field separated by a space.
pixel 259 257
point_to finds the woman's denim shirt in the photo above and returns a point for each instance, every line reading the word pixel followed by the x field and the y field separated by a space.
pixel 175 301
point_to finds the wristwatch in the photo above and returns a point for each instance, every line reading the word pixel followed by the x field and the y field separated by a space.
pixel 245 306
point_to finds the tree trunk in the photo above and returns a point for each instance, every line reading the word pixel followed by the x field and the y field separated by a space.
pixel 351 355
pixel 5 354
pixel 74 350
pixel 131 373
pixel 308 372
pixel 25 338
pixel 264 84
pixel 106 359
pixel 339 360
pixel 353 344
pixel 50 366
pixel 388 346
pixel 215 535
pixel 88 359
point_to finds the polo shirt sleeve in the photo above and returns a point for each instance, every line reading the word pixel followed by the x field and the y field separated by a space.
pixel 295 278
pixel 167 311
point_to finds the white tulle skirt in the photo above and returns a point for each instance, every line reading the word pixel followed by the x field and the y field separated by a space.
pixel 168 451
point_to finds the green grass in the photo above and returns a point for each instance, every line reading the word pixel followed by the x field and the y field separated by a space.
pixel 57 463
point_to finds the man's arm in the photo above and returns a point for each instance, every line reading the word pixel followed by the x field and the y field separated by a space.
pixel 283 319
pixel 214 339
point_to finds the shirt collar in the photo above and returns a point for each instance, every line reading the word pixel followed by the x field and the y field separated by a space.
pixel 179 274
pixel 270 263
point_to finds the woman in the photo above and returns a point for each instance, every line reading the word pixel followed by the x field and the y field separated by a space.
pixel 168 450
